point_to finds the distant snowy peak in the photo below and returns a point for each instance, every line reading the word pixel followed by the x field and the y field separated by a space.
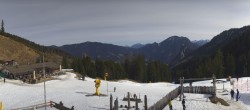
pixel 138 45
pixel 200 42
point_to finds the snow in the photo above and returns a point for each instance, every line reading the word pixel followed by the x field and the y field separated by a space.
pixel 72 92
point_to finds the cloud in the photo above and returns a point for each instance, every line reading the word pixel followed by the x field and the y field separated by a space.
pixel 120 22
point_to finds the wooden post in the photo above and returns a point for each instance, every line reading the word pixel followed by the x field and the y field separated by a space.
pixel 214 84
pixel 180 87
pixel 190 86
pixel 181 82
pixel 247 84
pixel 116 104
pixel 136 103
pixel 241 84
pixel 145 102
pixel 223 85
pixel 128 100
pixel 34 75
pixel 111 102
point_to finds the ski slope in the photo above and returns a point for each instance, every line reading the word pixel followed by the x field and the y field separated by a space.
pixel 74 92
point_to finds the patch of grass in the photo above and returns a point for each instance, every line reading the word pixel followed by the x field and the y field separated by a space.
pixel 23 55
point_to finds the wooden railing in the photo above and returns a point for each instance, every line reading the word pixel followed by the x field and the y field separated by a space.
pixel 159 105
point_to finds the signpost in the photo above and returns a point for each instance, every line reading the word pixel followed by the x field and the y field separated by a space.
pixel 105 77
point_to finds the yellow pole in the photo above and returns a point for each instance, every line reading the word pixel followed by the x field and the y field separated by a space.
pixel 1 106
pixel 106 75
pixel 97 85
pixel 97 91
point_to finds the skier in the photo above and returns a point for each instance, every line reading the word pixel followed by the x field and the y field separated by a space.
pixel 232 94
pixel 114 89
pixel 4 80
pixel 183 104
pixel 170 105
pixel 237 95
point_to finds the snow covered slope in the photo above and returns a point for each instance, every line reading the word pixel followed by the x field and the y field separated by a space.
pixel 72 92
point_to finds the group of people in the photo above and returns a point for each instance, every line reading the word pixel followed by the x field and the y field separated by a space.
pixel 171 106
pixel 237 94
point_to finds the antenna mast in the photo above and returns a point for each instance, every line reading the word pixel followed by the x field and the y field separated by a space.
pixel 44 83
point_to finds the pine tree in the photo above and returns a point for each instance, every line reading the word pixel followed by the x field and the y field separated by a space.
pixel 139 65
pixel 218 65
pixel 229 65
pixel 2 27
pixel 100 67
pixel 65 62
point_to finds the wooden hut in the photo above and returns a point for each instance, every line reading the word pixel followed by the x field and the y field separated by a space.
pixel 25 72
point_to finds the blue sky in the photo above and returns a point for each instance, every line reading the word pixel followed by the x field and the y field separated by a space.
pixel 121 22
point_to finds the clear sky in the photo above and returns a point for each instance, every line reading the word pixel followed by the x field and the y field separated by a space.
pixel 121 22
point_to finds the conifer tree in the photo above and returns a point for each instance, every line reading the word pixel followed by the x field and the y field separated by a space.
pixel 2 27
pixel 229 65
pixel 65 62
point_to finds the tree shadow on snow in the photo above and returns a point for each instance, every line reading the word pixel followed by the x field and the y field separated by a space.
pixel 86 93
pixel 99 108
pixel 91 94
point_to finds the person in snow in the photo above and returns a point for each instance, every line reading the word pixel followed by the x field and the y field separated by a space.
pixel 114 89
pixel 170 105
pixel 4 80
pixel 237 95
pixel 232 94
pixel 183 104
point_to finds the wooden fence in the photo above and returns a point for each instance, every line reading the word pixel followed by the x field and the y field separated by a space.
pixel 50 104
pixel 199 89
pixel 159 105
pixel 33 107
pixel 162 103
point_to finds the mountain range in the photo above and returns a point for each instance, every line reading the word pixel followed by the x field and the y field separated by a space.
pixel 173 48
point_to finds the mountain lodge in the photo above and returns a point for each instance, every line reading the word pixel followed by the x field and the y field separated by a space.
pixel 30 73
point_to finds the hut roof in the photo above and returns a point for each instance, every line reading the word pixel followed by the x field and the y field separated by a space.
pixel 26 69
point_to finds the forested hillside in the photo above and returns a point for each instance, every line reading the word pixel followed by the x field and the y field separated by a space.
pixel 228 54
pixel 133 67
pixel 27 52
